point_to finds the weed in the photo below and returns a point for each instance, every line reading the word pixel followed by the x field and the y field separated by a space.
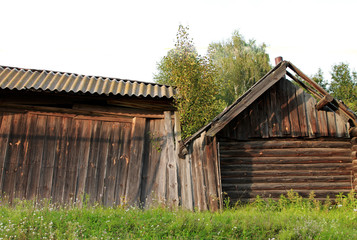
pixel 289 217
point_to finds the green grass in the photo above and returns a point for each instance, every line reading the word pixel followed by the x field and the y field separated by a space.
pixel 291 217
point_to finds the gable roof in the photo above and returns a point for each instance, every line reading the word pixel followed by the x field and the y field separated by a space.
pixel 260 87
pixel 23 79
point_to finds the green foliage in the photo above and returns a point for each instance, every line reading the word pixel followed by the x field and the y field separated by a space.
pixel 194 76
pixel 319 79
pixel 344 85
pixel 289 218
pixel 239 64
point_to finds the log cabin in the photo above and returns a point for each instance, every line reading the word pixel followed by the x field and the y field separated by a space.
pixel 69 137
pixel 285 132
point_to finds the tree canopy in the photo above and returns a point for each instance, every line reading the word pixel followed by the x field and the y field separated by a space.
pixel 239 65
pixel 194 77
pixel 343 84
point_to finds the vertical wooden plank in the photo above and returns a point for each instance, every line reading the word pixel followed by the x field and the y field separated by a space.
pixel 262 117
pixel 72 163
pixel 83 158
pixel 233 129
pixel 219 175
pixel 157 172
pixel 122 169
pixel 151 161
pixel 105 135
pixel 49 155
pixel 322 123
pixel 302 111
pixel 24 161
pixel 195 185
pixel 253 119
pixel 198 176
pixel 187 187
pixel 161 171
pixel 14 153
pixel 284 107
pixel 184 170
pixel 112 163
pixel 311 115
pixel 91 180
pixel 269 113
pixel 244 131
pixel 293 110
pixel 275 113
pixel 331 123
pixel 36 157
pixel 341 129
pixel 132 194
pixel 209 161
pixel 172 185
pixel 5 130
pixel 62 151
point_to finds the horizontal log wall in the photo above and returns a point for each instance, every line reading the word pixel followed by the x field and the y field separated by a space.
pixel 65 157
pixel 272 167
pixel 285 110
pixel 354 160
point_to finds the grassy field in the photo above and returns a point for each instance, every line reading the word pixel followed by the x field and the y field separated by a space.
pixel 291 217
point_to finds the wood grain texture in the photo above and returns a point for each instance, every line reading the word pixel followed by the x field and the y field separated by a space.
pixel 133 182
pixel 172 181
pixel 284 110
pixel 267 167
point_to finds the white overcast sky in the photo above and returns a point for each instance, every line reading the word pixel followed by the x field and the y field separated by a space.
pixel 125 39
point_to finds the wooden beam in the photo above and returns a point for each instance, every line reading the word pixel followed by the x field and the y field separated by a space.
pixel 342 108
pixel 324 101
pixel 120 111
pixel 302 84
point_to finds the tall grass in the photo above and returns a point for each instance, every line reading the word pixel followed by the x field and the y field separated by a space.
pixel 290 217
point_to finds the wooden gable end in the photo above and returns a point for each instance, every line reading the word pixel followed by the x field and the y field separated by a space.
pixel 285 110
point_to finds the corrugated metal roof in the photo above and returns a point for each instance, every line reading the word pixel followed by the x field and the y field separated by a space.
pixel 18 78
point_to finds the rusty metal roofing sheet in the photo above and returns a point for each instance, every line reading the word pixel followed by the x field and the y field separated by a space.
pixel 18 78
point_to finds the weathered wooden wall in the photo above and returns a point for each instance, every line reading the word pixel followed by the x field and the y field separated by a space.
pixel 201 175
pixel 285 110
pixel 281 142
pixel 113 160
pixel 354 160
pixel 270 168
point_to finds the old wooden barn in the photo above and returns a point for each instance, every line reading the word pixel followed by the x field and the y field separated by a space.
pixel 66 136
pixel 278 136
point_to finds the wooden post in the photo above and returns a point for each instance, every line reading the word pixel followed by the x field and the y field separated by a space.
pixel 172 186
